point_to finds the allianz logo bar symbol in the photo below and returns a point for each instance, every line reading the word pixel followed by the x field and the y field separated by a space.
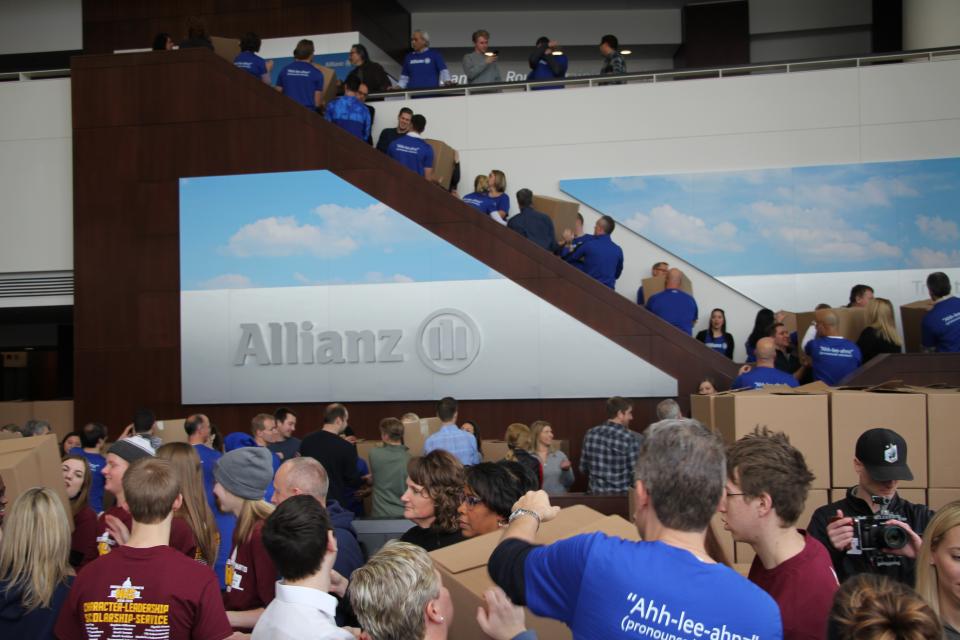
pixel 447 342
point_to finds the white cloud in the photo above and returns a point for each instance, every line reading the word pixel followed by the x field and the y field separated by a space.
pixel 227 281
pixel 875 191
pixel 689 231
pixel 834 243
pixel 938 229
pixel 376 224
pixel 634 183
pixel 375 277
pixel 284 236
pixel 926 258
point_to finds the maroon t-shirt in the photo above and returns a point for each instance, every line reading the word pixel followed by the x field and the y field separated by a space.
pixel 250 575
pixel 803 587
pixel 181 536
pixel 83 541
pixel 154 593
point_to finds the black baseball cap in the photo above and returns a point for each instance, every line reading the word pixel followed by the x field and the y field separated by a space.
pixel 884 454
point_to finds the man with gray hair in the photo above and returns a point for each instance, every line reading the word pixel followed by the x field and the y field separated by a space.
pixel 668 410
pixel 35 428
pixel 423 68
pixel 306 476
pixel 666 585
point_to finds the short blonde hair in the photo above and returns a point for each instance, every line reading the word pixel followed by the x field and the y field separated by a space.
pixel 392 428
pixel 928 587
pixel 36 547
pixel 391 592
pixel 480 184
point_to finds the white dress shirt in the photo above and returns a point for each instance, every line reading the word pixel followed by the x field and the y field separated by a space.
pixel 300 613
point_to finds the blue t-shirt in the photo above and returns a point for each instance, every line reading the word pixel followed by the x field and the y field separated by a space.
pixel 96 463
pixel 941 326
pixel 351 115
pixel 676 307
pixel 501 203
pixel 759 377
pixel 251 63
pixel 543 71
pixel 599 257
pixel 423 69
pixel 300 80
pixel 833 358
pixel 480 201
pixel 717 344
pixel 605 588
pixel 208 462
pixel 412 152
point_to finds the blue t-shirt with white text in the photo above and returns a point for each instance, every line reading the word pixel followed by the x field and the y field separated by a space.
pixel 833 358
pixel 604 588
pixel 412 152
pixel 715 343
pixel 676 307
pixel 480 201
pixel 759 377
pixel 941 326
pixel 251 63
pixel 300 80
pixel 96 462
pixel 423 69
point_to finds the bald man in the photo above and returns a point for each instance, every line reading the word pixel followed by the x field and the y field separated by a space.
pixel 833 356
pixel 764 372
pixel 674 305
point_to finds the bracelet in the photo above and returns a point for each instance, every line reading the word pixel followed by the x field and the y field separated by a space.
pixel 525 512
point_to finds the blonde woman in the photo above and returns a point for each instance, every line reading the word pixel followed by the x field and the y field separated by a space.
pixel 520 448
pixel 557 470
pixel 496 188
pixel 195 510
pixel 938 568
pixel 880 334
pixel 479 199
pixel 243 476
pixel 35 575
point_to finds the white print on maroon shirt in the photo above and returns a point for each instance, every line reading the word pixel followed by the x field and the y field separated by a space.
pixel 646 618
pixel 120 615
pixel 233 575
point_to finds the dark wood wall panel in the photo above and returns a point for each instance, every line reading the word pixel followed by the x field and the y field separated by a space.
pixel 912 368
pixel 142 121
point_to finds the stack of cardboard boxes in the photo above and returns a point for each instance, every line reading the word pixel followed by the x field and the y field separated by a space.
pixel 824 424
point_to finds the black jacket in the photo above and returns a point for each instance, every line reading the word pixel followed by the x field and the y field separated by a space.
pixel 536 227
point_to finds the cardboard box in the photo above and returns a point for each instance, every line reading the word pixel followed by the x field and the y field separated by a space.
pixel 171 431
pixel 59 413
pixel 789 320
pixel 415 433
pixel 943 436
pixel 801 413
pixel 911 321
pixel 33 462
pixel 916 496
pixel 364 447
pixel 562 212
pixel 464 568
pixel 444 160
pixel 816 498
pixel 493 450
pixel 937 498
pixel 852 321
pixel 330 83
pixel 226 48
pixel 15 413
pixel 701 408
pixel 854 411
pixel 656 284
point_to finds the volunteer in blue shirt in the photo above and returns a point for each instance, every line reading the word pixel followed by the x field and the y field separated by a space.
pixel 602 259
pixel 348 113
pixel 547 62
pixel 832 355
pixel 716 336
pixel 412 151
pixel 497 192
pixel 249 61
pixel 666 585
pixel 300 79
pixel 573 238
pixel 941 326
pixel 479 199
pixel 423 68
pixel 675 305
pixel 764 372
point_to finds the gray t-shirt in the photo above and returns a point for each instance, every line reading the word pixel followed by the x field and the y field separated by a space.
pixel 478 71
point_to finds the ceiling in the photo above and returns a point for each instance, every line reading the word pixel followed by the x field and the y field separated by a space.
pixel 454 6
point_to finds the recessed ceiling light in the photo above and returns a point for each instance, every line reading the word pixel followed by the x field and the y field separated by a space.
pixel 626 52
pixel 558 53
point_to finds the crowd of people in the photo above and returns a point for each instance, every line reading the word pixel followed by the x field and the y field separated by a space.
pixel 145 558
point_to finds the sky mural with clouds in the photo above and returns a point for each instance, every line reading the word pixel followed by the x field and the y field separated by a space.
pixel 856 217
pixel 304 228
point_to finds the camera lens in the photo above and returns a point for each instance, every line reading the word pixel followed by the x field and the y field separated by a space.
pixel 893 537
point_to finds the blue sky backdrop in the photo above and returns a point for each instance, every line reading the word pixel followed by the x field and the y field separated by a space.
pixel 302 228
pixel 855 217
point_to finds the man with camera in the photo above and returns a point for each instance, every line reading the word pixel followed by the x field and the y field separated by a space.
pixel 874 530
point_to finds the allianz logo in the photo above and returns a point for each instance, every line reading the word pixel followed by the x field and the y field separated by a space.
pixel 446 342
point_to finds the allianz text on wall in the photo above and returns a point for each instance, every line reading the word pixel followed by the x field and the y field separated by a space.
pixel 397 341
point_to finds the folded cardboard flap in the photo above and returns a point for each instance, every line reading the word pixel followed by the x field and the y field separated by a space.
pixel 33 462
pixel 911 321
pixel 444 161
pixel 852 321
pixel 656 284
pixel 416 432
pixel 171 431
pixel 563 213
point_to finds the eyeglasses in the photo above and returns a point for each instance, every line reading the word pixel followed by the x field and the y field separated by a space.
pixel 470 500
pixel 730 495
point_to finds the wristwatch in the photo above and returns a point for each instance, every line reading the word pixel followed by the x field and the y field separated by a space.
pixel 525 512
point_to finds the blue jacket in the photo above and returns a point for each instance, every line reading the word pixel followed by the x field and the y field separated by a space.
pixel 349 554
pixel 536 227
pixel 602 259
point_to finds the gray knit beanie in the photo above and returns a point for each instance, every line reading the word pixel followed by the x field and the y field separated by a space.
pixel 245 472
pixel 132 449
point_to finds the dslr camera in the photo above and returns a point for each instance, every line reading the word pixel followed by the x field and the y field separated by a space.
pixel 872 534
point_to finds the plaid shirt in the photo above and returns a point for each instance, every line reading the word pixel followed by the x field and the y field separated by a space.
pixel 608 457
pixel 455 441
